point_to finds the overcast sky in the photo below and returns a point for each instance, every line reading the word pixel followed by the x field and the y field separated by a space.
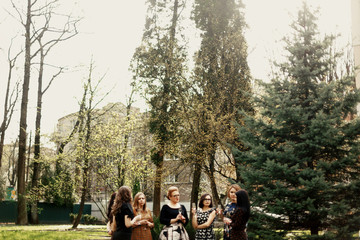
pixel 111 30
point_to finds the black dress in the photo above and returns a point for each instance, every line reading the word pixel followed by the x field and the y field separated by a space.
pixel 122 232
pixel 174 231
pixel 167 213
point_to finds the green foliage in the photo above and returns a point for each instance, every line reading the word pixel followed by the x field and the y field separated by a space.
pixel 301 165
pixel 57 187
pixel 89 219
pixel 119 150
pixel 190 230
pixel 73 216
pixel 155 232
pixel 220 83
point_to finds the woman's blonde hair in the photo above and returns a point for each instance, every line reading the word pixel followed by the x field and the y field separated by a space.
pixel 136 201
pixel 234 186
pixel 170 191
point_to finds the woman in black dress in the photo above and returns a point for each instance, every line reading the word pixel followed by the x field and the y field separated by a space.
pixel 174 217
pixel 109 215
pixel 123 215
pixel 241 216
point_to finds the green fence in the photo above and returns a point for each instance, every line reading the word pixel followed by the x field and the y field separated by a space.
pixel 48 212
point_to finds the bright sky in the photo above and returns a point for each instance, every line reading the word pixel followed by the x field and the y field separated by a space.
pixel 111 30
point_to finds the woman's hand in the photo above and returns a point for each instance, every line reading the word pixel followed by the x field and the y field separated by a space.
pixel 226 220
pixel 149 224
pixel 193 211
pixel 218 211
pixel 181 217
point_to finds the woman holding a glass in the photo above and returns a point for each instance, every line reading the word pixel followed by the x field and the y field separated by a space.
pixel 174 217
pixel 203 218
pixel 142 228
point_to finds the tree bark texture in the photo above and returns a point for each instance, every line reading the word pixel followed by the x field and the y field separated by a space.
pixel 22 214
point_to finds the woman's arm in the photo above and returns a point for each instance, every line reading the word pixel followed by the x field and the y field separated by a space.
pixel 209 221
pixel 129 222
pixel 194 218
pixel 151 221
pixel 184 217
pixel 113 225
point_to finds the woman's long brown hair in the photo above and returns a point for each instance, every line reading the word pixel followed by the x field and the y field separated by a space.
pixel 123 196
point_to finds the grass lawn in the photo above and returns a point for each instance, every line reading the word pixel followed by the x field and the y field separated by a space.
pixel 61 232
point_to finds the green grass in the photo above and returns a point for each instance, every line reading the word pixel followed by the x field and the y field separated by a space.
pixel 61 232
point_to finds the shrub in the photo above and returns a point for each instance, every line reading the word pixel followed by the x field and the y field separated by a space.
pixel 73 216
pixel 155 232
pixel 89 219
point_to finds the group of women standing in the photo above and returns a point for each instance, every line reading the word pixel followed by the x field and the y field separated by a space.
pixel 129 221
pixel 134 221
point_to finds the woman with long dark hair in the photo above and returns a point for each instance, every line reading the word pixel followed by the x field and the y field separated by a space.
pixel 108 214
pixel 123 215
pixel 241 216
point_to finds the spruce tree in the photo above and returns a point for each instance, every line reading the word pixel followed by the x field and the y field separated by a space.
pixel 301 164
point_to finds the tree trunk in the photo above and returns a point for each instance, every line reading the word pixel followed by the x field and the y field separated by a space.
pixel 195 185
pixel 2 138
pixel 86 155
pixel 22 213
pixel 314 230
pixel 34 219
pixel 82 199
pixel 157 187
pixel 211 176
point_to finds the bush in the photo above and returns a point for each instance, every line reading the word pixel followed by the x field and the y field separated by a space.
pixel 155 232
pixel 190 230
pixel 89 219
pixel 73 216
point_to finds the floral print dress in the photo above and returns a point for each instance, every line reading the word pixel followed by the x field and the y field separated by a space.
pixel 228 212
pixel 205 233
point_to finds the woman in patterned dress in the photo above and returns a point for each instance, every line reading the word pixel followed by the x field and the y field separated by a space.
pixel 203 218
pixel 123 215
pixel 241 216
pixel 174 216
pixel 230 209
pixel 142 229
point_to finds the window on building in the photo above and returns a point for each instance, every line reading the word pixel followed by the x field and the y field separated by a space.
pixel 172 178
pixel 169 157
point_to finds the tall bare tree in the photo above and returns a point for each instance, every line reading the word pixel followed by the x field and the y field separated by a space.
pixel 46 44
pixel 84 151
pixel 22 213
pixel 37 12
pixel 10 99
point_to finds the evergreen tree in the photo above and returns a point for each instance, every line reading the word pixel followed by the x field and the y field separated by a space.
pixel 159 66
pixel 221 82
pixel 301 164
